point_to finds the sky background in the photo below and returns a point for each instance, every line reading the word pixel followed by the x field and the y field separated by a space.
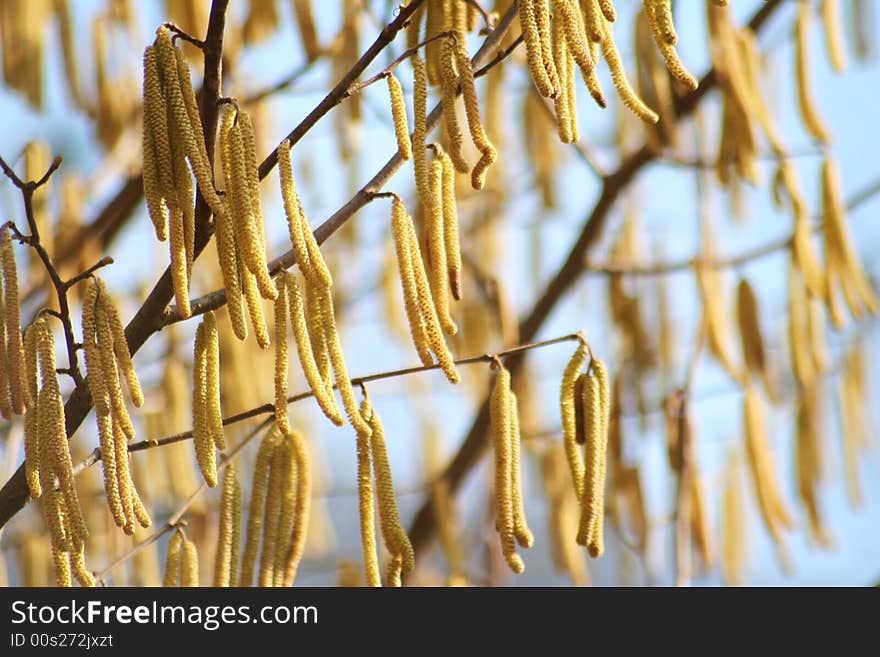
pixel 665 196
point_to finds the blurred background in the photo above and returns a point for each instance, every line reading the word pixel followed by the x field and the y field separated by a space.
pixel 72 75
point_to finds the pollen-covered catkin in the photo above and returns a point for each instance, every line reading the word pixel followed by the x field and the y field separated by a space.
pixel 305 247
pixel 172 559
pixel 488 154
pixel 595 396
pixel 301 507
pixel 18 393
pixel 365 508
pixel 621 83
pixel 398 115
pixel 659 13
pixel 448 97
pixel 439 275
pixel 750 329
pixel 228 529
pixel 281 363
pixel 31 428
pixel 157 176
pixel 393 533
pixel 5 403
pixel 521 530
pixel 534 48
pixel 189 564
pixel 568 413
pixel 302 335
pixel 450 227
pixel 806 103
pixel 833 34
pixel 259 485
pixel 500 424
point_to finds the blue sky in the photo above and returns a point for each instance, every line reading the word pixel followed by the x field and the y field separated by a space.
pixel 666 196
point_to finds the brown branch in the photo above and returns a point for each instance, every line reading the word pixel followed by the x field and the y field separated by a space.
pixel 27 189
pixel 269 408
pixel 474 444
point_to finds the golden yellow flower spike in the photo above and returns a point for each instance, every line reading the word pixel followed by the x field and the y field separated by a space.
pixel 541 9
pixel 420 109
pixel 398 115
pixel 809 113
pixel 228 260
pixel 109 365
pixel 393 533
pixel 472 111
pixel 400 227
pixel 158 170
pixel 301 509
pixel 589 533
pixel 323 393
pixel 305 23
pixel 229 522
pixel 521 530
pixel 433 333
pixel 120 346
pixel 31 429
pixel 255 306
pixel 259 485
pixel 281 359
pixel 5 403
pixel 203 441
pixel 286 518
pixel 439 276
pixel 750 329
pixel 500 421
pixel 212 380
pixel 18 393
pixel 308 254
pixel 315 323
pixel 659 13
pixel 189 564
pixel 733 538
pixel 365 508
pixel 534 48
pixel 450 227
pixel 172 559
pixel 621 83
pixel 562 104
pixel 448 97
pixel 567 404
pixel 833 34
pixel 271 514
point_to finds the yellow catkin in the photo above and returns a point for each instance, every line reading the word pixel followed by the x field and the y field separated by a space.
pixel 448 96
pixel 18 393
pixel 773 511
pixel 255 307
pixel 400 221
pixel 521 530
pixel 621 83
pixel 568 414
pixel 189 564
pixel 433 332
pixel 833 34
pixel 541 9
pixel 318 340
pixel 858 292
pixel 202 440
pixel 301 509
pixel 158 179
pixel 31 428
pixel 297 313
pixel 230 517
pixel 581 48
pixel 5 403
pixel 365 509
pixel 733 539
pixel 450 227
pixel 393 533
pixel 398 115
pixel 179 278
pixel 305 23
pixel 806 104
pixel 259 485
pixel 808 462
pixel 562 60
pixel 281 363
pixel 120 347
pixel 659 13
pixel 589 533
pixel 534 48
pixel 699 522
pixel 271 514
pixel 305 247
pixel 343 383
pixel 212 380
pixel 420 108
pixel 287 490
pixel 439 275
pixel 750 329
pixel 110 366
pixel 500 423
pixel 488 154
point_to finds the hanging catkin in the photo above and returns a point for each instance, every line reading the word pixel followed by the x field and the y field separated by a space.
pixel 107 360
pixel 207 416
pixel 659 14
pixel 833 34
pixel 806 103
pixel 228 530
pixel 509 516
pixel 299 509
pixel 752 342
pixel 366 509
pixel 733 527
pixel 568 403
pixel 393 534
pixel 398 114
pixel 15 395
pixel 305 23
pixel 436 237
pixel 596 405
pixel 256 506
